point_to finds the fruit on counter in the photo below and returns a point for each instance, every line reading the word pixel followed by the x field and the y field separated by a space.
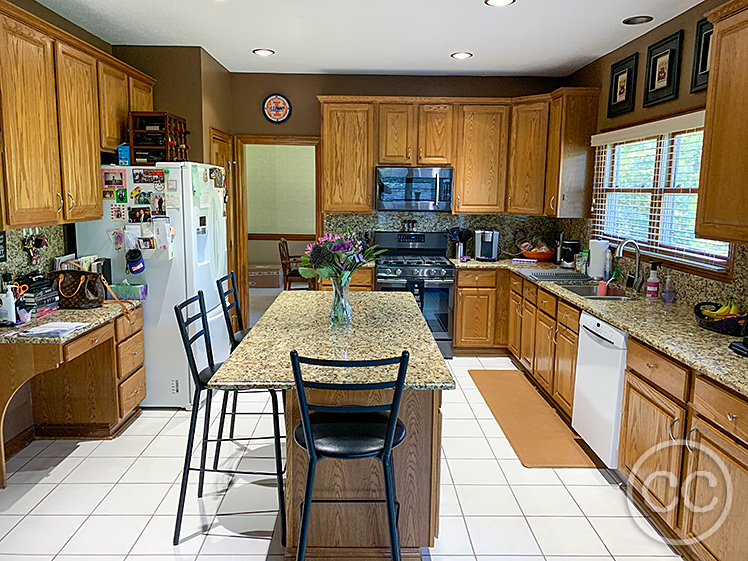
pixel 726 311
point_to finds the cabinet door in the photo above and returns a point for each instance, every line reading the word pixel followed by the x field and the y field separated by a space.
pixel 515 323
pixel 114 104
pixel 480 174
pixel 527 151
pixel 705 484
pixel 141 95
pixel 475 317
pixel 503 310
pixel 722 212
pixel 397 134
pixel 435 134
pixel 650 418
pixel 527 342
pixel 29 125
pixel 565 368
pixel 347 140
pixel 78 109
pixel 545 355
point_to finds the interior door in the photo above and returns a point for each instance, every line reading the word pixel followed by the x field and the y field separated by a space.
pixel 30 142
pixel 78 109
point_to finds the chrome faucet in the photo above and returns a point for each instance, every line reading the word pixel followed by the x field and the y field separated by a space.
pixel 638 280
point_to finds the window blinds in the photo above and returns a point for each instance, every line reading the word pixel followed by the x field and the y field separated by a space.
pixel 646 188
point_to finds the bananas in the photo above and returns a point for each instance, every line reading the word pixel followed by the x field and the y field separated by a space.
pixel 728 310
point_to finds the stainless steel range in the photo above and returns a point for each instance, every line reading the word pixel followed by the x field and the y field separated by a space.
pixel 416 262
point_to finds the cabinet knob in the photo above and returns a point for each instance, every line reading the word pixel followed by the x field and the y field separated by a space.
pixel 650 366
pixel 477 278
pixel 135 353
pixel 95 340
pixel 137 391
pixel 731 417
pixel 544 301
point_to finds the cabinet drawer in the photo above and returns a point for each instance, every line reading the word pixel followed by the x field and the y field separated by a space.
pixel 529 291
pixel 658 369
pixel 547 302
pixel 131 392
pixel 515 283
pixel 124 328
pixel 88 341
pixel 568 316
pixel 475 278
pixel 728 411
pixel 362 279
pixel 130 355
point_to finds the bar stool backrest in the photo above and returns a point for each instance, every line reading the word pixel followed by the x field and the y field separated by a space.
pixel 393 407
pixel 230 300
pixel 184 320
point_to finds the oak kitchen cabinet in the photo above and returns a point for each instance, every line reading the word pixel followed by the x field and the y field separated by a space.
pixel 347 156
pixel 481 159
pixel 141 95
pixel 571 159
pixel 114 105
pixel 53 127
pixel 412 134
pixel 515 314
pixel 481 317
pixel 722 212
pixel 545 350
pixel 527 156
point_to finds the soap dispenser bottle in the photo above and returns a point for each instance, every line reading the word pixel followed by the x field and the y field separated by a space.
pixel 653 282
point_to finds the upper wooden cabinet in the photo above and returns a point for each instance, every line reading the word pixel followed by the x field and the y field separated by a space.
pixel 435 134
pixel 481 159
pixel 114 105
pixel 571 158
pixel 347 156
pixel 141 95
pixel 31 157
pixel 527 157
pixel 397 134
pixel 722 212
pixel 78 114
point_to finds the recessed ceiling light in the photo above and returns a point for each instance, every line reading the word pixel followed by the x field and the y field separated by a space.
pixel 462 55
pixel 264 52
pixel 637 20
pixel 498 3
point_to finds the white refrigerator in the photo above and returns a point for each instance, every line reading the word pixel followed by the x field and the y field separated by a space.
pixel 195 199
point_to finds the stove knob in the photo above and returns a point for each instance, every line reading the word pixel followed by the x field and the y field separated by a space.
pixel 388 271
pixel 443 272
pixel 398 272
pixel 432 272
pixel 416 272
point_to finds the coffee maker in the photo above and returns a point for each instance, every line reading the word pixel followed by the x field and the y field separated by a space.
pixel 486 245
pixel 569 250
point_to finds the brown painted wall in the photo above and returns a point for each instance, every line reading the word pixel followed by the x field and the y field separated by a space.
pixel 249 90
pixel 216 85
pixel 598 72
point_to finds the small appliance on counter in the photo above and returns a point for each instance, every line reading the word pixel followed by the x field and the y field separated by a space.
pixel 596 268
pixel 569 250
pixel 486 245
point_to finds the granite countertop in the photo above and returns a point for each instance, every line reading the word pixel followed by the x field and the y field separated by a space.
pixel 95 317
pixel 384 325
pixel 670 328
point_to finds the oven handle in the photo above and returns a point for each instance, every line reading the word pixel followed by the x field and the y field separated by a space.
pixel 436 190
pixel 391 282
pixel 442 283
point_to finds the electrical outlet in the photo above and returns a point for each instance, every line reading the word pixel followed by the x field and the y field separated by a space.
pixel 175 386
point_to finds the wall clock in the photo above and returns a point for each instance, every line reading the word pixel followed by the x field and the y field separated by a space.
pixel 276 108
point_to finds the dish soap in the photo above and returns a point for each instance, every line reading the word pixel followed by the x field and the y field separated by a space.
pixel 653 283
pixel 668 294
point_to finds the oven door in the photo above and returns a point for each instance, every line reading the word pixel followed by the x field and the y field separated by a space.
pixel 434 297
pixel 419 189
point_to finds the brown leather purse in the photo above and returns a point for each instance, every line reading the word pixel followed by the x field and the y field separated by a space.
pixel 82 290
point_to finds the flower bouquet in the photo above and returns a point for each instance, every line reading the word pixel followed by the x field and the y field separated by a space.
pixel 337 257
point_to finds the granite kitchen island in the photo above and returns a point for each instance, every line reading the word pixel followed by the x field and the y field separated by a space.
pixel 384 325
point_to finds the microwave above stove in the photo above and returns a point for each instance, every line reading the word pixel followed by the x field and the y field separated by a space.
pixel 419 189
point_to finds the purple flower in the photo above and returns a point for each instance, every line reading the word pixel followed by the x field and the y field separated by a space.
pixel 341 246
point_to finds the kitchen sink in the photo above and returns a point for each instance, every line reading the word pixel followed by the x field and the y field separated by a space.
pixel 590 292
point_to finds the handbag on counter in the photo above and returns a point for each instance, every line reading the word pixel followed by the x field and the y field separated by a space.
pixel 80 289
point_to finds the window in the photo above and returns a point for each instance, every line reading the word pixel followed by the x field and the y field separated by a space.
pixel 647 189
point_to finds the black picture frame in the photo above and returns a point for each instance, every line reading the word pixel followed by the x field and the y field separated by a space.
pixel 702 56
pixel 663 70
pixel 622 92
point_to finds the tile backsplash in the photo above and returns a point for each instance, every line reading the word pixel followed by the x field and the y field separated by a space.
pixel 18 259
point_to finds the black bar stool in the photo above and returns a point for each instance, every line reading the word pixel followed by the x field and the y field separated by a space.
pixel 201 378
pixel 348 432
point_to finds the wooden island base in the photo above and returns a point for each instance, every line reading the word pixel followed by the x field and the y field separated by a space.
pixel 340 531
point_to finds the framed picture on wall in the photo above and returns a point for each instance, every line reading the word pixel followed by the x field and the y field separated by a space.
pixel 622 86
pixel 702 56
pixel 663 70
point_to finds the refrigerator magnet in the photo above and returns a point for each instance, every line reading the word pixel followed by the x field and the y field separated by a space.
pixel 120 196
pixel 108 194
pixel 158 205
pixel 171 185
pixel 118 212
pixel 135 192
pixel 144 198
pixel 113 178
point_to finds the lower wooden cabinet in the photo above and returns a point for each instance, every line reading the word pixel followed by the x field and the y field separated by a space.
pixel 705 497
pixel 476 312
pixel 565 368
pixel 650 419
pixel 527 341
pixel 515 323
pixel 362 280
pixel 545 351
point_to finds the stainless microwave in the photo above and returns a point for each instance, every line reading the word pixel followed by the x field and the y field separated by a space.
pixel 420 189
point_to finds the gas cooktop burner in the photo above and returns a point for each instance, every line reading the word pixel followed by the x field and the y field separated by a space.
pixel 416 261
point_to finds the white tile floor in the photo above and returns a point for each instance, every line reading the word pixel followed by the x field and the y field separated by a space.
pixel 115 500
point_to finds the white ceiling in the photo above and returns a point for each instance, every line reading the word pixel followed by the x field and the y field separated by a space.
pixel 531 37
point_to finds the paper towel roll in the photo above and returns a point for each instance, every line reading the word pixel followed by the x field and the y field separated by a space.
pixel 597 258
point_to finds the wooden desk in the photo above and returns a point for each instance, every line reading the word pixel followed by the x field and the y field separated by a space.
pixel 384 324
pixel 85 385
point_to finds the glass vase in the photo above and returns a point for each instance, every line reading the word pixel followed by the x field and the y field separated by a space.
pixel 340 311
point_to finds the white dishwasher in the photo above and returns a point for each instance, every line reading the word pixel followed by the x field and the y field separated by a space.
pixel 598 388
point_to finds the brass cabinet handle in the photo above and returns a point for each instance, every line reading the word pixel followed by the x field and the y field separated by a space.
pixel 670 428
pixel 72 201
pixel 62 202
